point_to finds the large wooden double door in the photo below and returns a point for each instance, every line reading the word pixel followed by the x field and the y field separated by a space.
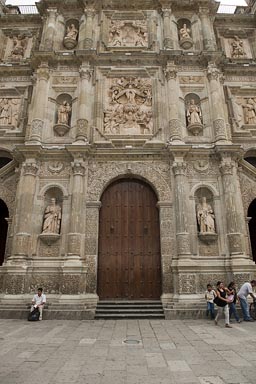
pixel 129 263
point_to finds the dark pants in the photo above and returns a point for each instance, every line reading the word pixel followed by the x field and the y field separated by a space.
pixel 210 310
pixel 232 310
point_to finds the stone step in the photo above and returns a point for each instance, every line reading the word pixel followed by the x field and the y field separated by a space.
pixel 136 309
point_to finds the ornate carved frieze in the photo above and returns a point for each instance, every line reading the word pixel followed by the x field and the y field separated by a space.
pixel 179 168
pixel 55 168
pixel 187 283
pixel 128 110
pixel 128 33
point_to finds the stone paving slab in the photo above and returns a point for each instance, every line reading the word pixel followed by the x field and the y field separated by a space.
pixel 95 352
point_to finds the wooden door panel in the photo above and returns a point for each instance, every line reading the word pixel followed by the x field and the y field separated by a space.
pixel 129 248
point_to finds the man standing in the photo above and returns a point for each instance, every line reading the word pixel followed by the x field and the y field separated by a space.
pixel 38 301
pixel 244 291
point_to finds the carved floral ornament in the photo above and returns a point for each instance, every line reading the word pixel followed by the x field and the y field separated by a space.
pixel 129 107
pixel 128 33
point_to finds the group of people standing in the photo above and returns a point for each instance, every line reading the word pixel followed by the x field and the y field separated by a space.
pixel 226 299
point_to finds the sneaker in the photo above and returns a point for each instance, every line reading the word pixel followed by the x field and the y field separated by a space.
pixel 248 319
pixel 228 326
pixel 40 319
pixel 239 321
pixel 216 322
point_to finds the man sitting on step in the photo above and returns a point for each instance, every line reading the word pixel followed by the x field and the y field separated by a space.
pixel 38 301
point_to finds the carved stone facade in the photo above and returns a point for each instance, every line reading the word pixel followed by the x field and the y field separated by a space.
pixel 138 90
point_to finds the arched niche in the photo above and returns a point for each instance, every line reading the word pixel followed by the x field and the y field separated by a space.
pixel 4 215
pixel 194 118
pixel 184 33
pixel 5 158
pixel 205 216
pixel 52 214
pixel 250 157
pixel 71 34
pixel 252 227
pixel 63 114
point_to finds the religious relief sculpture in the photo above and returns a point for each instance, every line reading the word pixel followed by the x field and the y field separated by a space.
pixel 237 48
pixel 129 109
pixel 19 47
pixel 185 38
pixel 128 33
pixel 52 218
pixel 194 117
pixel 63 118
pixel 9 112
pixel 249 108
pixel 205 217
pixel 70 39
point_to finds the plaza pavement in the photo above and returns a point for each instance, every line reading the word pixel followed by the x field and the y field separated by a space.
pixel 94 352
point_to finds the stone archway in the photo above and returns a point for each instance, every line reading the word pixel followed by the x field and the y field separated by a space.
pixel 4 214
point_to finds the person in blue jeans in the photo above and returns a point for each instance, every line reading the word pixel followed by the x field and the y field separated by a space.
pixel 245 290
pixel 209 297
pixel 232 306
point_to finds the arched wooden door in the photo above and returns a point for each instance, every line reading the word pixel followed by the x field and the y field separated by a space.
pixel 3 229
pixel 129 263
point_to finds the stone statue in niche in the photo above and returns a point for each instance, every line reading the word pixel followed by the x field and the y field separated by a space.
pixel 128 33
pixel 70 40
pixel 129 109
pixel 205 217
pixel 9 112
pixel 19 47
pixel 52 218
pixel 184 32
pixel 64 112
pixel 249 108
pixel 186 41
pixel 237 48
pixel 194 117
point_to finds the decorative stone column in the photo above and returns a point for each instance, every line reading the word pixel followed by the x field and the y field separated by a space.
pixel 24 210
pixel 207 30
pixel 168 40
pixel 217 102
pixel 50 29
pixel 91 244
pixel 82 132
pixel 40 101
pixel 167 239
pixel 86 29
pixel 77 213
pixel 175 125
pixel 183 242
pixel 233 205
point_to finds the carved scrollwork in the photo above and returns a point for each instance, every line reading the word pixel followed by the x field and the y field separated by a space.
pixel 30 168
pixel 128 33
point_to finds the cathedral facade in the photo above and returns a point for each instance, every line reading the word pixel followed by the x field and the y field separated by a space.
pixel 127 151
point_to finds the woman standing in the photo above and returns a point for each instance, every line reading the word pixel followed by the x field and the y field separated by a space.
pixel 232 305
pixel 222 303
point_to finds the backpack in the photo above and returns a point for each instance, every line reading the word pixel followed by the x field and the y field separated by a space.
pixel 34 315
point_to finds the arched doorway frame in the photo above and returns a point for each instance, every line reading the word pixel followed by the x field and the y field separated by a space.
pixel 251 214
pixel 98 181
pixel 4 224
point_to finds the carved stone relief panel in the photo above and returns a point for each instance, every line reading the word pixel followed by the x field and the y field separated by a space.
pixel 10 110
pixel 128 33
pixel 50 283
pixel 248 191
pixel 237 48
pixel 157 173
pixel 18 47
pixel 128 108
pixel 187 283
